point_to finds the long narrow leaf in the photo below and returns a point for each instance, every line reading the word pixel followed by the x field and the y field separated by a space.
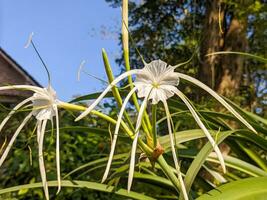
pixel 246 189
pixel 80 184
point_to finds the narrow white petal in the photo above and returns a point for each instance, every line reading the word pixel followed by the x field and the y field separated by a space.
pixel 175 159
pixel 134 145
pixel 41 158
pixel 218 97
pixel 182 185
pixel 13 111
pixel 171 135
pixel 93 105
pixel 113 145
pixel 112 84
pixel 202 126
pixel 3 157
pixel 132 162
pixel 22 87
pixel 39 128
pixel 57 150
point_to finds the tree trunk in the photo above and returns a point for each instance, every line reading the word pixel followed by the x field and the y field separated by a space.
pixel 222 73
pixel 212 42
pixel 230 75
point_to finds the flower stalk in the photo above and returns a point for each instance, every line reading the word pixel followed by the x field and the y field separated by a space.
pixel 154 125
pixel 125 45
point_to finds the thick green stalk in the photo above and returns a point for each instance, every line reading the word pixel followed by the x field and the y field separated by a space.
pixel 169 173
pixel 125 45
pixel 116 93
pixel 69 106
pixel 154 124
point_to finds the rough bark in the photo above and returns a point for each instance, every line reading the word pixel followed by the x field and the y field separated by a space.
pixel 212 42
pixel 222 73
pixel 232 66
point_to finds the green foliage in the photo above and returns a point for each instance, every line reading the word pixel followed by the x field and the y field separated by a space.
pixel 247 189
pixel 85 145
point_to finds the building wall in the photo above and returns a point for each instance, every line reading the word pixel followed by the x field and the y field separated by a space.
pixel 12 74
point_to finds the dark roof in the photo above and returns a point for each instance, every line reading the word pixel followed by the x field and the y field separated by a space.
pixel 18 68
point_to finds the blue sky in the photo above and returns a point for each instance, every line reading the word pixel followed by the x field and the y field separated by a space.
pixel 65 32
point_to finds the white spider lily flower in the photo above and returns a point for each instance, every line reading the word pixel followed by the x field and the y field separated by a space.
pixel 157 82
pixel 44 104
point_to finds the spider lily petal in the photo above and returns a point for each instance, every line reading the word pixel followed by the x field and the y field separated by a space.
pixel 218 97
pixel 113 145
pixel 44 107
pixel 3 157
pixel 175 159
pixel 112 84
pixel 134 145
pixel 41 130
pixel 57 150
pixel 22 87
pixel 13 111
pixel 202 126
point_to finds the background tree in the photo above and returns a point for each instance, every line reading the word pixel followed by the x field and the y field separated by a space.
pixel 170 30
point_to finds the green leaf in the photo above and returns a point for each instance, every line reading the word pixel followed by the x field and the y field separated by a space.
pixel 259 58
pixel 94 96
pixel 80 184
pixel 200 159
pixel 253 155
pixel 245 189
pixel 239 165
pixel 95 162
pixel 96 131
pixel 181 136
pixel 255 139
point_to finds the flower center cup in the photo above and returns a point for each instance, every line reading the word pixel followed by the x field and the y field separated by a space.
pixel 156 80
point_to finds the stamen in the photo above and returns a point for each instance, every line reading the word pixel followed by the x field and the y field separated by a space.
pixel 80 69
pixel 87 73
pixel 30 41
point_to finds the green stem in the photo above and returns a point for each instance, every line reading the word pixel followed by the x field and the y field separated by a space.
pixel 115 90
pixel 154 124
pixel 117 95
pixel 69 106
pixel 125 44
pixel 169 173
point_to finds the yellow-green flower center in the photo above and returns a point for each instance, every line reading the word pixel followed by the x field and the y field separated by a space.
pixel 155 85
